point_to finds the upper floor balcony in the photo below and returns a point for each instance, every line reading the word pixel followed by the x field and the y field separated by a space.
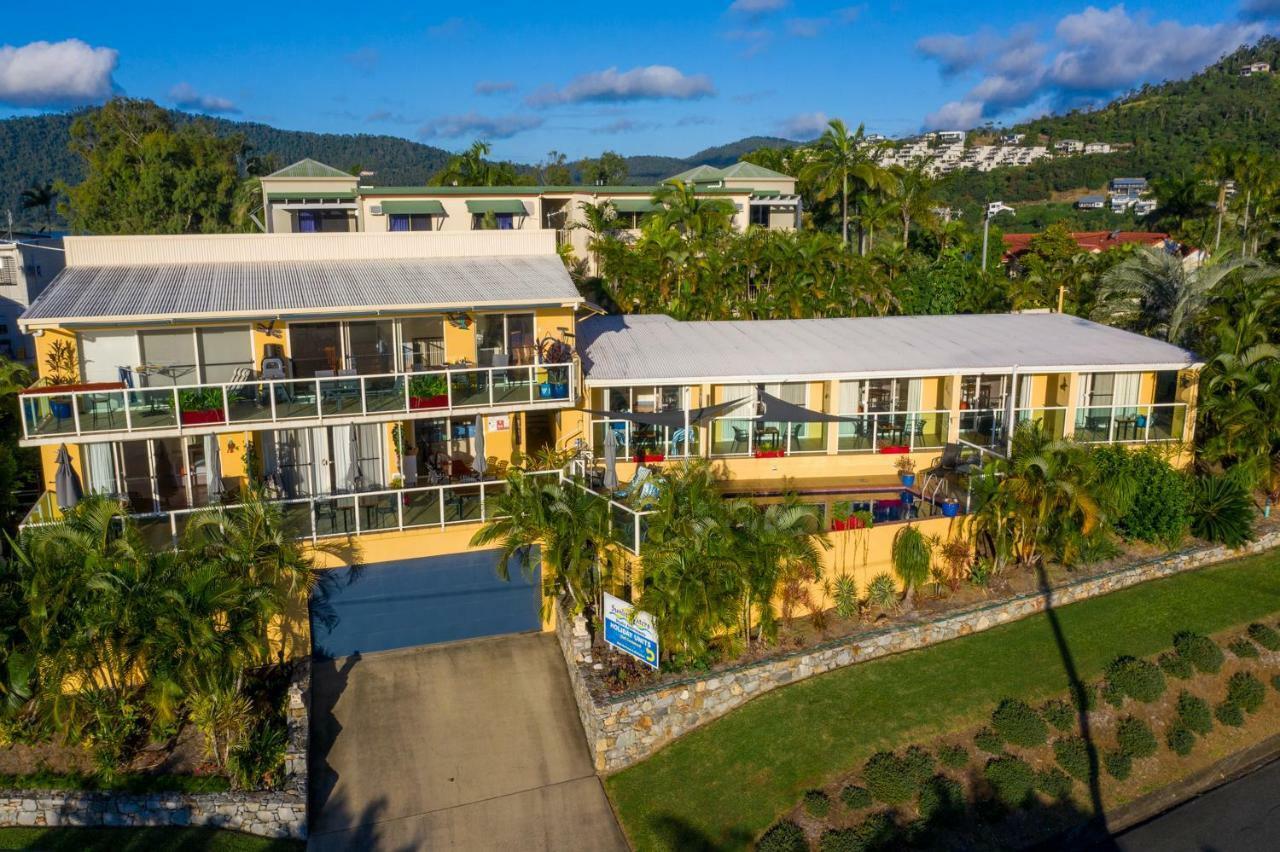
pixel 109 411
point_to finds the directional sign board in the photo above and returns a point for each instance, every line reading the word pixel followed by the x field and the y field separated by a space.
pixel 631 631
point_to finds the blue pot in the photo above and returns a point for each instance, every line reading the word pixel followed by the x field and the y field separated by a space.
pixel 544 390
pixel 950 510
pixel 908 479
pixel 908 497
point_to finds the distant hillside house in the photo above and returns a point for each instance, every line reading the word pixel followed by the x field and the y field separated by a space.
pixel 1013 138
pixel 1131 186
pixel 1068 146
pixel 1094 242
pixel 1098 148
pixel 311 197
pixel 950 137
pixel 1255 68
pixel 1090 202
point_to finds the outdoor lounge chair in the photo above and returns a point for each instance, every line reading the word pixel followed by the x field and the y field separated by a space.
pixel 637 485
pixel 952 460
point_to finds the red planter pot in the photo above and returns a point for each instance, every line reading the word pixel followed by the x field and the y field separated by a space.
pixel 418 403
pixel 895 449
pixel 200 418
pixel 649 457
pixel 770 454
pixel 847 524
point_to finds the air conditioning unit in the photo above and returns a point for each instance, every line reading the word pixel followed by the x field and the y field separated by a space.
pixel 375 209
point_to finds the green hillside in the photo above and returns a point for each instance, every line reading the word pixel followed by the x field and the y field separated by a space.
pixel 1170 126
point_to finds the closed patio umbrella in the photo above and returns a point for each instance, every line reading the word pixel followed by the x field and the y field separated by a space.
pixel 610 482
pixel 66 482
pixel 213 469
pixel 480 465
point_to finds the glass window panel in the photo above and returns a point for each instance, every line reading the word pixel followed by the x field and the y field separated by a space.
pixel 223 352
pixel 136 461
pixel 520 340
pixel 371 343
pixel 423 342
pixel 490 338
pixel 169 358
pixel 850 397
pixel 315 346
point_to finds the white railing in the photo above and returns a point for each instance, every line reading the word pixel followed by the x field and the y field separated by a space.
pixel 628 523
pixel 1131 424
pixel 340 515
pixel 51 414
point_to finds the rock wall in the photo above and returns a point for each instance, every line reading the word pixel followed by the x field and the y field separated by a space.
pixel 625 728
pixel 281 813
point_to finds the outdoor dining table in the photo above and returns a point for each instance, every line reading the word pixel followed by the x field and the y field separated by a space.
pixel 769 435
pixel 1125 424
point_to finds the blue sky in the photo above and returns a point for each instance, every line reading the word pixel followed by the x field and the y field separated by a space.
pixel 656 77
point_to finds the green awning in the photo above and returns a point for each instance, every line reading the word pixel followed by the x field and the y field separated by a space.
pixel 429 206
pixel 766 193
pixel 635 205
pixel 324 195
pixel 500 205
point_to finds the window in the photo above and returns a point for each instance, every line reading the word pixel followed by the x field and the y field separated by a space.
pixel 410 222
pixel 760 215
pixel 506 221
pixel 422 343
pixel 8 271
pixel 505 339
pixel 224 352
pixel 168 358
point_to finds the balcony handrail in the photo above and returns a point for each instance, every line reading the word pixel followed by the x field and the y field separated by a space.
pixel 267 389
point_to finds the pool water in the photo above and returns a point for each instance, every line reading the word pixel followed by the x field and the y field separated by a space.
pixel 885 505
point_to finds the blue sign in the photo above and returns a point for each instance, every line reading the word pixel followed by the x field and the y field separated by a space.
pixel 631 631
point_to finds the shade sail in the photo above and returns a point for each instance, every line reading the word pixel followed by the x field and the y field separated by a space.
pixel 497 205
pixel 673 419
pixel 429 206
pixel 780 411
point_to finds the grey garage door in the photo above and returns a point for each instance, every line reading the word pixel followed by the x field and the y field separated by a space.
pixel 409 602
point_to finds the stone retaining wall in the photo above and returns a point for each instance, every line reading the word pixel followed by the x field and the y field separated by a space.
pixel 280 813
pixel 623 729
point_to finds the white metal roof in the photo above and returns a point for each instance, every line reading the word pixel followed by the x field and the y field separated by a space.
pixel 649 348
pixel 157 292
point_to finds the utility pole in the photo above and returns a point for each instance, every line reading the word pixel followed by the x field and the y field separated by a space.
pixel 994 208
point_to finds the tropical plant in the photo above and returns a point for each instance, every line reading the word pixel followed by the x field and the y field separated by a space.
pixel 912 555
pixel 200 399
pixel 777 545
pixel 427 385
pixel 61 365
pixel 43 197
pixel 842 162
pixel 882 593
pixel 1221 511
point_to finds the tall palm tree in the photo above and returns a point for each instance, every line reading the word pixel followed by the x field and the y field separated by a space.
pixel 693 216
pixel 842 162
pixel 912 190
pixel 40 196
pixel 1155 293
pixel 1222 165
pixel 777 544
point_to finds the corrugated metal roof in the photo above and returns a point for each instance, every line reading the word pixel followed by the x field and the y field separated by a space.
pixel 191 290
pixel 309 168
pixel 654 348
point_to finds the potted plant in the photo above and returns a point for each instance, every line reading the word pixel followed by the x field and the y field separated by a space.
pixel 950 507
pixel 200 405
pixel 428 390
pixel 906 470
pixel 61 368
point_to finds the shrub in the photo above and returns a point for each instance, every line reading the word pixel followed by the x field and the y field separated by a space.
pixel 257 761
pixel 1087 695
pixel 1202 651
pixel 1194 713
pixel 1229 714
pixel 919 762
pixel 877 831
pixel 817 803
pixel 1138 679
pixel 953 756
pixel 1176 665
pixel 1221 511
pixel 1246 691
pixel 1265 636
pixel 1134 737
pixel 1112 694
pixel 1180 739
pixel 1059 714
pixel 1053 782
pixel 1017 723
pixel 784 836
pixel 855 798
pixel 1160 508
pixel 888 777
pixel 1119 765
pixel 882 593
pixel 989 741
pixel 1011 778
pixel 941 799
pixel 1072 755
pixel 1243 648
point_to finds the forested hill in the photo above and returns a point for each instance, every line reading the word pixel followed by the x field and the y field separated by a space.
pixel 1167 129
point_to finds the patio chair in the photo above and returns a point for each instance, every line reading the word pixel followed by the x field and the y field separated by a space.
pixel 636 485
pixel 101 405
pixel 739 438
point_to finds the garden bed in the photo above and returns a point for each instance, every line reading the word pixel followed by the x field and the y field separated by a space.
pixel 43 764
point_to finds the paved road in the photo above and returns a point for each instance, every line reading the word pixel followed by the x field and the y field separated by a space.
pixel 469 746
pixel 1241 816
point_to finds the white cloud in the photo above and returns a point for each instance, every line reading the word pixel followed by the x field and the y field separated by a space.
pixel 1090 57
pixel 757 7
pixel 50 74
pixel 611 85
pixel 494 87
pixel 624 125
pixel 805 125
pixel 184 96
pixel 481 126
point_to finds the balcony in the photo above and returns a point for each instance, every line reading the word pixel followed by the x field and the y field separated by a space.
pixel 1131 424
pixel 112 411
pixel 328 516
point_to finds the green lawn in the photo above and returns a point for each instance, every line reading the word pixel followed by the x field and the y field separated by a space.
pixel 725 783
pixel 140 840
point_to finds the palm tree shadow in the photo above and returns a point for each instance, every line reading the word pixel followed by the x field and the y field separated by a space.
pixel 1093 833
pixel 676 833
pixel 329 680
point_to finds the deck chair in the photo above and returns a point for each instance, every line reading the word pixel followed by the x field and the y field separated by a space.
pixel 636 485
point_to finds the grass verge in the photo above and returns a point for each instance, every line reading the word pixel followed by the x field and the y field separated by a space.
pixel 140 840
pixel 720 786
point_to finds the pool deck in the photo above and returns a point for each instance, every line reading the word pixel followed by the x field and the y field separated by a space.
pixel 812 485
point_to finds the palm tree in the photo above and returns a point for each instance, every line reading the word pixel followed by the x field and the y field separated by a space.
pixel 912 190
pixel 912 554
pixel 777 544
pixel 843 161
pixel 40 197
pixel 683 210
pixel 1155 293
pixel 601 222
pixel 1221 167
pixel 470 168
pixel 1184 201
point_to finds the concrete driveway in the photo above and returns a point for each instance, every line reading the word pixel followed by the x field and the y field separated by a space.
pixel 468 746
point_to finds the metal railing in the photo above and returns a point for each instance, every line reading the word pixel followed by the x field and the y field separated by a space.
pixel 49 413
pixel 629 523
pixel 1052 418
pixel 1131 424
pixel 324 516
